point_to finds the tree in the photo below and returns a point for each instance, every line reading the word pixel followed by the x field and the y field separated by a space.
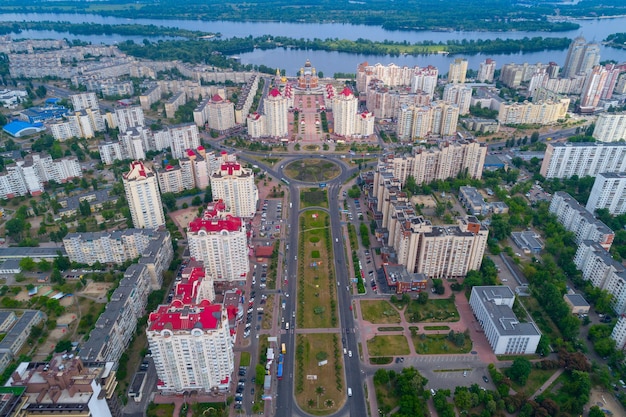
pixel 197 201
pixel 520 370
pixel 27 264
pixel 462 399
pixel 15 227
pixel 63 346
pixel 595 411
pixel 44 265
pixel 169 199
pixel 422 298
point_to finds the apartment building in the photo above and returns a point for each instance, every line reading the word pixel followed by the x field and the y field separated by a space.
pixel 345 107
pixel 593 88
pixel 219 240
pixel 144 199
pixel 385 102
pixel 576 219
pixel 220 113
pixel 173 103
pixel 16 336
pixel 564 160
pixel 234 185
pixel 191 341
pixel 275 108
pixel 110 152
pixel 493 308
pixel 246 98
pixel 127 117
pixel 63 386
pixel 542 112
pixel 598 267
pixel 458 71
pixel 619 333
pixel 114 247
pixel 85 101
pixel 392 75
pixel 581 57
pixel 460 95
pixel 608 192
pixel 446 160
pixel 486 71
pixel 610 127
pixel 438 119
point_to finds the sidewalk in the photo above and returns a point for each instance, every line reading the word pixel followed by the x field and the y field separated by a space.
pixel 547 384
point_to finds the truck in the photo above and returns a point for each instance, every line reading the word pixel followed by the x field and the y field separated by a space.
pixel 279 372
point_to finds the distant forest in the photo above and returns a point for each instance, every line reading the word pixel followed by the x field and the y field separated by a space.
pixel 492 15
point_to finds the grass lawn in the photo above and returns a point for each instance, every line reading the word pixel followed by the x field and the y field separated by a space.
pixel 312 170
pixel 245 359
pixel 436 328
pixel 438 344
pixel 208 410
pixel 268 308
pixel 433 311
pixel 392 345
pixel 379 312
pixel 316 279
pixel 160 410
pixel 332 395
pixel 536 379
pixel 313 197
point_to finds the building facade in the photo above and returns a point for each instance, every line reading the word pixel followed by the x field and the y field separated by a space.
pixel 235 185
pixel 493 308
pixel 610 127
pixel 564 160
pixel 219 240
pixel 608 192
pixel 276 108
pixel 575 218
pixel 144 199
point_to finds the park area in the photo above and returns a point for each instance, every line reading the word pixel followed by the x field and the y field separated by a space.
pixel 316 282
pixel 389 345
pixel 313 197
pixel 433 311
pixel 320 388
pixel 312 170
pixel 379 312
pixel 442 344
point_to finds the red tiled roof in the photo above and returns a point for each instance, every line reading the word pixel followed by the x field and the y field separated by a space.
pixel 263 251
pixel 200 148
pixel 216 97
pixel 169 168
pixel 231 167
pixel 177 319
pixel 229 223
pixel 190 152
pixel 346 92
pixel 275 92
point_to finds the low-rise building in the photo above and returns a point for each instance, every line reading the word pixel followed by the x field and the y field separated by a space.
pixel 577 303
pixel 528 242
pixel 473 201
pixel 402 281
pixel 493 308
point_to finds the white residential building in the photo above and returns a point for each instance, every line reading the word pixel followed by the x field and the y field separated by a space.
pixel 275 108
pixel 458 94
pixel 609 192
pixel 144 199
pixel 486 71
pixel 115 247
pixel 619 333
pixel 235 185
pixel 604 272
pixel 575 218
pixel 183 137
pixel 493 308
pixel 219 241
pixel 132 141
pixel 85 101
pixel 127 117
pixel 110 152
pixel 220 113
pixel 256 125
pixel 190 339
pixel 345 107
pixel 564 160
pixel 610 127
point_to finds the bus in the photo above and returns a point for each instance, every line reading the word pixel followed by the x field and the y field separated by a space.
pixel 284 180
pixel 284 349
pixel 279 373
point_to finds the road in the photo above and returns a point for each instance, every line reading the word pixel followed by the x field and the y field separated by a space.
pixel 284 401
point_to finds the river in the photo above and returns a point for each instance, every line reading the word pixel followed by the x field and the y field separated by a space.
pixel 331 62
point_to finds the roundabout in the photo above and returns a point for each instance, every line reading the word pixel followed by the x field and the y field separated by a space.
pixel 312 170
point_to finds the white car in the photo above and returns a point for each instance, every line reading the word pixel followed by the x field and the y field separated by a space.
pixel 350 353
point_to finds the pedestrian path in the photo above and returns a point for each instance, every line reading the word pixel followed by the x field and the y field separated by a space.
pixel 547 384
